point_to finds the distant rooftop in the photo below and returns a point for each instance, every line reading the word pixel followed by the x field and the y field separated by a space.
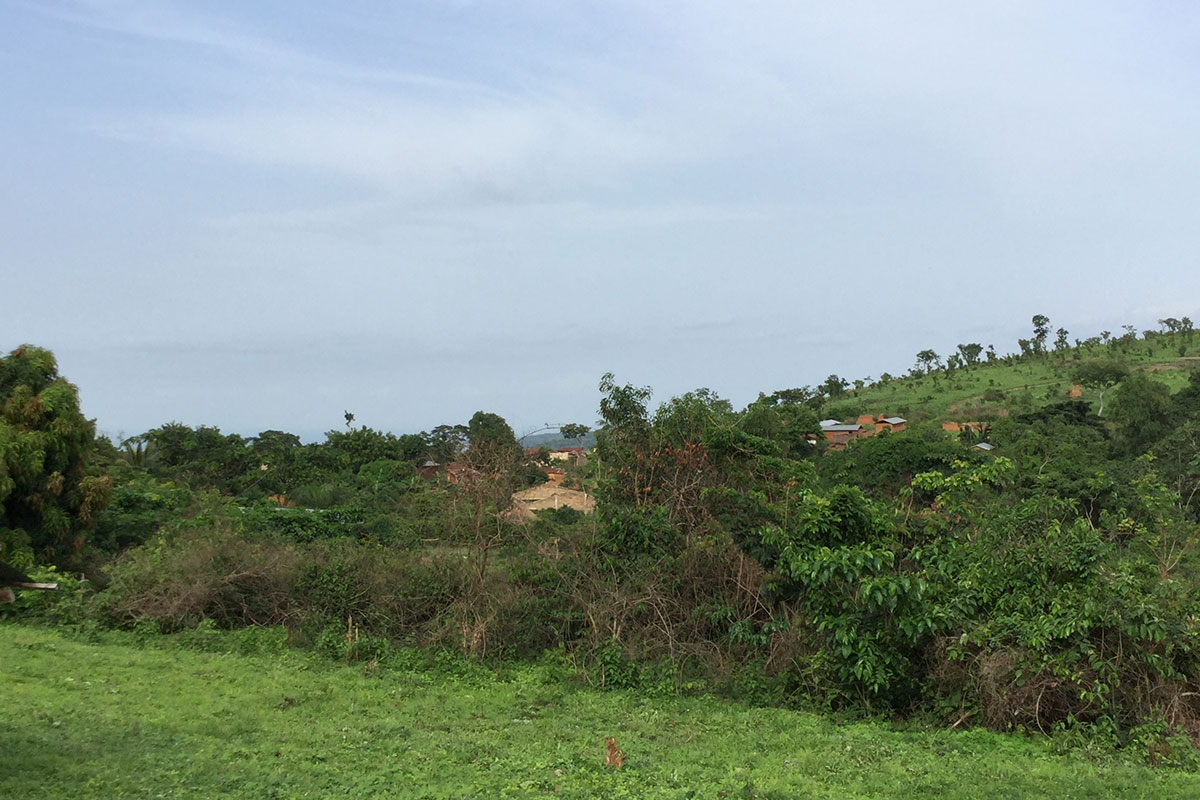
pixel 894 420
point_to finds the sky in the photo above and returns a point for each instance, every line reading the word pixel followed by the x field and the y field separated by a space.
pixel 261 215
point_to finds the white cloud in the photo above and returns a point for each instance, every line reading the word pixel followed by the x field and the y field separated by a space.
pixel 596 175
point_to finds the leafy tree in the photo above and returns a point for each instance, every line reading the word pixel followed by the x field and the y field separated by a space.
pixel 928 360
pixel 275 444
pixel 1142 411
pixel 970 352
pixel 495 456
pixel 1041 330
pixel 201 457
pixel 486 429
pixel 575 432
pixel 1186 402
pixel 48 496
pixel 792 427
pixel 446 442
pixel 348 451
pixel 883 465
pixel 1169 325
pixel 802 395
pixel 834 386
pixel 1100 374
pixel 1060 341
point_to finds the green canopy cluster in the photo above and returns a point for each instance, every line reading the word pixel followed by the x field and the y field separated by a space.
pixel 47 495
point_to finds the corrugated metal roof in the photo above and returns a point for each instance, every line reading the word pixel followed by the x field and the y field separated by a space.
pixel 984 446
pixel 827 422
pixel 894 420
pixel 841 427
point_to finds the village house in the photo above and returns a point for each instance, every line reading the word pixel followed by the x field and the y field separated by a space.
pixel 554 475
pixel 837 433
pixel 572 455
pixel 460 472
pixel 958 427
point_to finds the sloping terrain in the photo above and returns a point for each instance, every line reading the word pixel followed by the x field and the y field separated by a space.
pixel 993 389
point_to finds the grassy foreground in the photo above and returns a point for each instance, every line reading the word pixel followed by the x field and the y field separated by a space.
pixel 111 720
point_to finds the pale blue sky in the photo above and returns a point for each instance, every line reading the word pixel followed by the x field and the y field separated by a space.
pixel 257 215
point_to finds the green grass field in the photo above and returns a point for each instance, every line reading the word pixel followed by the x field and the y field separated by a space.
pixel 112 720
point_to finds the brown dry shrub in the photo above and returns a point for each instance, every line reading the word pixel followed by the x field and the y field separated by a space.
pixel 388 591
pixel 677 609
pixel 212 573
pixel 216 573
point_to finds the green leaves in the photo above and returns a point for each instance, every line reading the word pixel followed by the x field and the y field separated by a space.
pixel 45 489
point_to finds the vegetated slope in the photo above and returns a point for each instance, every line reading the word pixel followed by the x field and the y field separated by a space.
pixel 991 389
pixel 109 720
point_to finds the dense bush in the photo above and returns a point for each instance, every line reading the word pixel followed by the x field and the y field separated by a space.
pixel 211 570
pixel 1050 583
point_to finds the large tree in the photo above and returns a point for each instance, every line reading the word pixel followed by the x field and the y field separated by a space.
pixel 928 360
pixel 48 497
pixel 575 431
pixel 1041 329
pixel 1100 374
pixel 970 352
pixel 1142 411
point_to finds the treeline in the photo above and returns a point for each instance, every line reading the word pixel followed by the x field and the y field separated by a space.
pixel 1051 581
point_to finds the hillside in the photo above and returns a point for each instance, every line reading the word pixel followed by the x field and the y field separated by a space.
pixel 112 720
pixel 988 390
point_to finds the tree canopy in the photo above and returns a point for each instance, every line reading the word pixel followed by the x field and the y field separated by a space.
pixel 47 496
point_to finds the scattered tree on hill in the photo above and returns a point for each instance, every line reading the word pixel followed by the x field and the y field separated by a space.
pixel 970 352
pixel 1041 330
pixel 928 360
pixel 804 395
pixel 48 497
pixel 1169 325
pixel 1100 374
pixel 1060 341
pixel 834 386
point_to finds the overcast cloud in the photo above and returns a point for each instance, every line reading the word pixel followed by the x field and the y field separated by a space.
pixel 258 215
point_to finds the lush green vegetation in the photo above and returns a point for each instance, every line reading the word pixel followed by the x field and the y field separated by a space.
pixel 110 720
pixel 991 388
pixel 1050 585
